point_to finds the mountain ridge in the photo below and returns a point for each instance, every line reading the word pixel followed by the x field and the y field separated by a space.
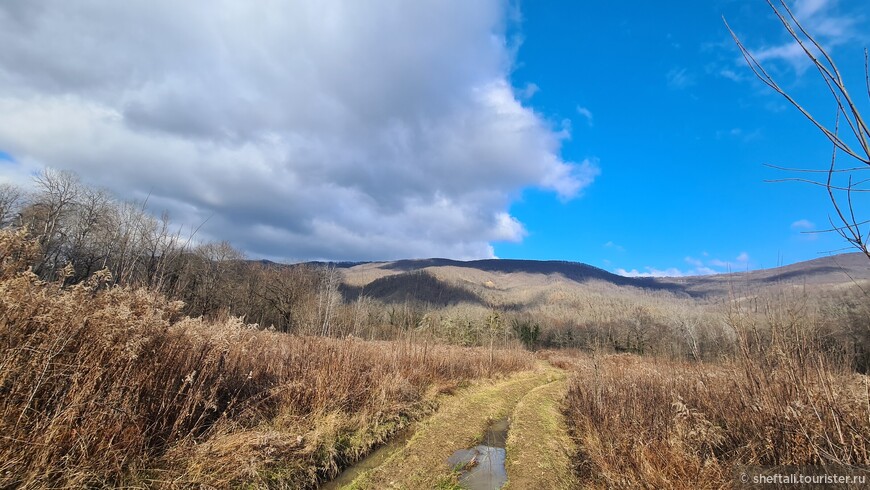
pixel 392 280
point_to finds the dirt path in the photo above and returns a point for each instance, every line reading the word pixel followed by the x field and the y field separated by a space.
pixel 537 448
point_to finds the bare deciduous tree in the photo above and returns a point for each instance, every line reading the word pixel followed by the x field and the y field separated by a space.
pixel 52 205
pixel 842 183
pixel 10 200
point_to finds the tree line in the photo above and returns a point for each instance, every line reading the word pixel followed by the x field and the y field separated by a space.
pixel 82 230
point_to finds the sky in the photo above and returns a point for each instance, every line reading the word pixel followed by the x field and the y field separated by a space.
pixel 627 135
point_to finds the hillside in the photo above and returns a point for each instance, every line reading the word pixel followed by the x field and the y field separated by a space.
pixel 831 271
pixel 513 282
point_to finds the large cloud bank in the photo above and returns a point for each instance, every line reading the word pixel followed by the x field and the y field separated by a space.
pixel 296 130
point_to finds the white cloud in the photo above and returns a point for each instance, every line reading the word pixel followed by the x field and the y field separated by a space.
pixel 529 91
pixel 614 246
pixel 803 224
pixel 509 228
pixel 699 267
pixel 731 75
pixel 586 113
pixel 821 19
pixel 668 272
pixel 806 230
pixel 652 272
pixel 330 129
pixel 739 134
pixel 680 78
pixel 808 8
pixel 791 52
pixel 740 262
pixel 694 262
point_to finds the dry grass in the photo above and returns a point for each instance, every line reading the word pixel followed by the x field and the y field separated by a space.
pixel 654 424
pixel 109 386
pixel 459 424
pixel 539 451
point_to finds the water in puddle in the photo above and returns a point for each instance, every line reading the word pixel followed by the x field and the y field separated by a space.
pixel 482 467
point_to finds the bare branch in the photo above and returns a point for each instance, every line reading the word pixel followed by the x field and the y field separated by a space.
pixel 815 170
pixel 834 228
pixel 820 184
pixel 867 72
pixel 834 88
pixel 847 113
pixel 859 127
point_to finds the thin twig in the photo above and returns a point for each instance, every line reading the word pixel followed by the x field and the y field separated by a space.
pixel 820 184
pixel 835 228
pixel 815 170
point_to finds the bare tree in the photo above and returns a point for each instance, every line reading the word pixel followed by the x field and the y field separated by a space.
pixel 842 183
pixel 216 276
pixel 52 205
pixel 328 298
pixel 10 202
pixel 87 230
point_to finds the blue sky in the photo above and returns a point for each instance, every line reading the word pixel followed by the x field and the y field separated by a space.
pixel 627 135
pixel 657 93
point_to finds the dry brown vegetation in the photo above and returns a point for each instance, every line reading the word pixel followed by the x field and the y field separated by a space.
pixel 81 230
pixel 783 400
pixel 108 385
pixel 130 356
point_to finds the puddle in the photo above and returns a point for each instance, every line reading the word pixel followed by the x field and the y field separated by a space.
pixel 482 467
pixel 496 434
pixel 373 460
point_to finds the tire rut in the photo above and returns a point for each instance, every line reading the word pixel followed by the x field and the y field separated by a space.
pixel 459 423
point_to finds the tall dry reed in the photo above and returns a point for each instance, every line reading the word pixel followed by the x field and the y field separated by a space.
pixel 645 423
pixel 107 386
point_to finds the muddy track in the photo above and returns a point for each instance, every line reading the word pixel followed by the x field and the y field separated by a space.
pixel 538 448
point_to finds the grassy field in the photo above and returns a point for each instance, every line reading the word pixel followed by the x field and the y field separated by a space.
pixel 645 423
pixel 106 385
pixel 112 386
